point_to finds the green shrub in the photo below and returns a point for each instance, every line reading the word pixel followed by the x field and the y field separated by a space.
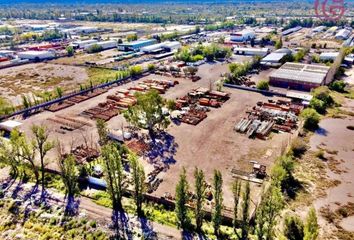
pixel 311 118
pixel 93 224
pixel 298 147
pixel 294 228
pixel 318 105
pixel 263 85
pixel 320 154
pixel 95 48
pixel 324 94
pixel 338 86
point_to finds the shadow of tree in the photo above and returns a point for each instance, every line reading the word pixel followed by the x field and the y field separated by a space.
pixel 147 229
pixel 121 225
pixel 7 184
pixel 162 150
pixel 71 206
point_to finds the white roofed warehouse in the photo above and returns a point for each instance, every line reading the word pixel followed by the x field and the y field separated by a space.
pixel 299 76
pixel 36 55
pixel 242 36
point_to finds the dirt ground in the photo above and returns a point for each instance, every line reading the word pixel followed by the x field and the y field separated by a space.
pixel 39 77
pixel 333 136
pixel 210 145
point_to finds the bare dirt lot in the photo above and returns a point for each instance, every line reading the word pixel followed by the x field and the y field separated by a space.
pixel 38 77
pixel 212 144
pixel 337 140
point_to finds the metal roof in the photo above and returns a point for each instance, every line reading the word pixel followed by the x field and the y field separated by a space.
pixel 307 73
pixel 273 57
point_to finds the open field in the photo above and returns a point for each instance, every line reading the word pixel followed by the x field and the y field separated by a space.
pixel 333 137
pixel 38 77
pixel 210 145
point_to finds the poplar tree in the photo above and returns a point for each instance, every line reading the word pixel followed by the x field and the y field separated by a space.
pixel 114 174
pixel 183 220
pixel 42 146
pixel 200 187
pixel 69 176
pixel 245 211
pixel 218 199
pixel 311 226
pixel 236 191
pixel 138 175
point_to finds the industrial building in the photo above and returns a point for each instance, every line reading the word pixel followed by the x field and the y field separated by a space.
pixel 242 36
pixel 104 44
pixel 251 51
pixel 291 30
pixel 328 56
pixel 83 43
pixel 275 58
pixel 343 34
pixel 36 55
pixel 159 47
pixel 331 56
pixel 318 29
pixel 299 76
pixel 136 45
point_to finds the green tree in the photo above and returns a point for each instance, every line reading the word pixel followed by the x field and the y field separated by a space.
pixel 182 187
pixel 279 43
pixel 318 105
pixel 218 199
pixel 59 92
pixel 102 131
pixel 69 176
pixel 311 118
pixel 138 175
pixel 268 211
pixel 294 228
pixel 26 103
pixel 263 85
pixel 246 198
pixel 184 54
pixel 132 37
pixel 338 86
pixel 10 153
pixel 135 70
pixel 171 104
pixel 200 187
pixel 311 227
pixel 114 173
pixel 151 67
pixel 324 94
pixel 5 107
pixel 147 112
pixel 95 48
pixel 28 153
pixel 42 146
pixel 236 192
pixel 70 51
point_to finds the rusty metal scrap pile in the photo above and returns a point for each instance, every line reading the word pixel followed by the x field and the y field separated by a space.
pixel 265 117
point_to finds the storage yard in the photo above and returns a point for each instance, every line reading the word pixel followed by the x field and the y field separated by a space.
pixel 208 119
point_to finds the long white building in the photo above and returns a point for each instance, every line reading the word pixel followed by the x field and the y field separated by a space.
pixel 167 46
pixel 242 36
pixel 104 44
pixel 251 51
pixel 36 55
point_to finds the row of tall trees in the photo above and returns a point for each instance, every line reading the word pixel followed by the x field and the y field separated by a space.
pixel 268 210
pixel 20 153
pixel 113 155
pixel 241 197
